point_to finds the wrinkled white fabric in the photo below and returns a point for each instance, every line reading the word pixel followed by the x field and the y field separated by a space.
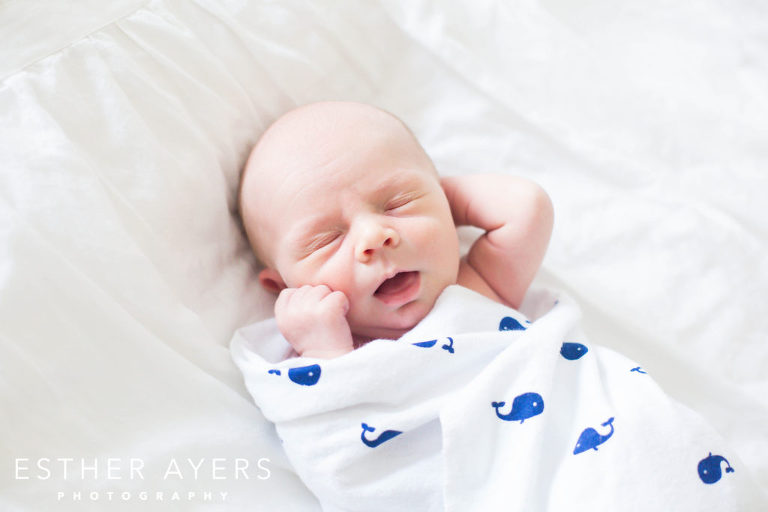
pixel 123 271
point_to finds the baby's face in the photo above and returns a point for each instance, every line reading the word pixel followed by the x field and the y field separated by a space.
pixel 360 209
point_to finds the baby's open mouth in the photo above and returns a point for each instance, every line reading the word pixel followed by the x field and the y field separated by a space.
pixel 400 288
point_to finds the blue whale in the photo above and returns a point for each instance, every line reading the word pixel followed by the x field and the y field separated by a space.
pixel 305 375
pixel 709 468
pixel 383 437
pixel 524 406
pixel 431 343
pixel 510 324
pixel 591 439
pixel 573 351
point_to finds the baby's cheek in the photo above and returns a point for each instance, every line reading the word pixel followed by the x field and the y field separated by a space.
pixel 436 236
pixel 442 249
pixel 336 274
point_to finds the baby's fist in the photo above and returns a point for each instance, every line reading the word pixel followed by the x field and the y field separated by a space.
pixel 313 320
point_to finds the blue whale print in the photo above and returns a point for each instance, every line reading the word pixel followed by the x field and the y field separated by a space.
pixel 510 324
pixel 305 375
pixel 709 468
pixel 591 439
pixel 431 343
pixel 573 351
pixel 638 369
pixel 383 437
pixel 274 372
pixel 524 406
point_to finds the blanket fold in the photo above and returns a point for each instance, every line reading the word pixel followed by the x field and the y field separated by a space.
pixel 482 407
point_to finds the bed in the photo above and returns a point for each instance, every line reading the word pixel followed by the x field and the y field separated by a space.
pixel 124 270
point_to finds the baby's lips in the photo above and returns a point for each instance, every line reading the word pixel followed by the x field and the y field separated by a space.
pixel 399 289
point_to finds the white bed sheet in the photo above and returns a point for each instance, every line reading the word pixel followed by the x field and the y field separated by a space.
pixel 123 270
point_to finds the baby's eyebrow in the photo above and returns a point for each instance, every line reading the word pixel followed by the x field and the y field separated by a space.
pixel 399 181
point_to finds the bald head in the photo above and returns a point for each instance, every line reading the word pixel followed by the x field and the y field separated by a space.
pixel 318 129
pixel 310 141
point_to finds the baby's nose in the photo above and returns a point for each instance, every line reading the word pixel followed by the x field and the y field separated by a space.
pixel 374 236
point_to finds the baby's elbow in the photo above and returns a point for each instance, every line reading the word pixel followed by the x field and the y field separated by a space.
pixel 539 211
pixel 545 211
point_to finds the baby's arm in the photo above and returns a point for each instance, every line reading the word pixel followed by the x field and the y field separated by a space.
pixel 312 319
pixel 517 217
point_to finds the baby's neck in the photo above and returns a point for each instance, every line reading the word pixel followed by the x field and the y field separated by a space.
pixel 360 340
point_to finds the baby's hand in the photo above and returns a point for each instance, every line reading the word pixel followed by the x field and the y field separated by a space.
pixel 313 320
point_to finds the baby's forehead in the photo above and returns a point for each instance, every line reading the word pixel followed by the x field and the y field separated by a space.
pixel 332 187
pixel 322 129
pixel 315 138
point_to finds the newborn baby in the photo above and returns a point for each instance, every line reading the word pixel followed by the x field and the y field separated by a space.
pixel 358 232
pixel 461 396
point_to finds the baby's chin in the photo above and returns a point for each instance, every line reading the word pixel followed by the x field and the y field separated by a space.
pixel 395 325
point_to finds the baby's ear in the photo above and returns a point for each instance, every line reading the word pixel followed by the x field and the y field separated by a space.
pixel 270 279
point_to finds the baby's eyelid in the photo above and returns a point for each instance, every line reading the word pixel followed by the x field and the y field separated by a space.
pixel 400 201
pixel 322 241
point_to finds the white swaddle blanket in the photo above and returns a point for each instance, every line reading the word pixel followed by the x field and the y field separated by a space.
pixel 482 407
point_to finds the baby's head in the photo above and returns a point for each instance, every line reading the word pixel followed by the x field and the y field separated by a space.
pixel 342 194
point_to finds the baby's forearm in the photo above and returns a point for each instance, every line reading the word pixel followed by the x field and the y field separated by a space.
pixel 326 353
pixel 490 201
pixel 320 344
pixel 322 341
pixel 517 217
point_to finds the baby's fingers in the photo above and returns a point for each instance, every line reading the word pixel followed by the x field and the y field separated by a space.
pixel 285 296
pixel 315 293
pixel 337 300
pixel 309 296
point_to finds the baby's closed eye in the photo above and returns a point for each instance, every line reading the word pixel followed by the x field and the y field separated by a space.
pixel 322 240
pixel 400 201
